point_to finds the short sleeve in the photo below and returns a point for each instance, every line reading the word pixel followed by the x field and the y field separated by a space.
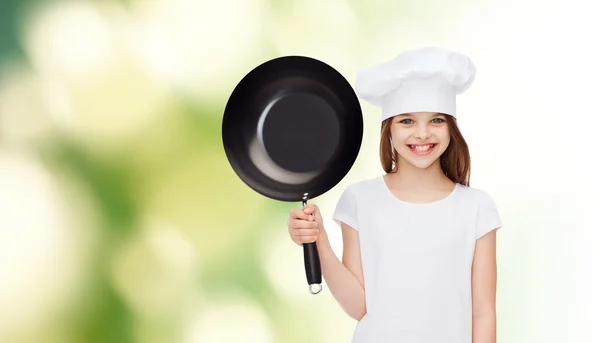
pixel 488 218
pixel 345 210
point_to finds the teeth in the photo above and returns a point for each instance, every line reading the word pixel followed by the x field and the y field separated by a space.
pixel 422 148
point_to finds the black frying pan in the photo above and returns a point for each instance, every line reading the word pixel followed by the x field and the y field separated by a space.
pixel 292 129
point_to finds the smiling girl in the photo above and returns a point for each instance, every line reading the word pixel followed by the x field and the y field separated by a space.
pixel 419 244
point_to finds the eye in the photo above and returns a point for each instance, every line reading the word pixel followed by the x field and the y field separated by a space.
pixel 438 120
pixel 406 121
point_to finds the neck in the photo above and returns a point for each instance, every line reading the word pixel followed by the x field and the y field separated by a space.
pixel 409 176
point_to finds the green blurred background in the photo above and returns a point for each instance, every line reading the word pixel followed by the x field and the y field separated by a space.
pixel 122 221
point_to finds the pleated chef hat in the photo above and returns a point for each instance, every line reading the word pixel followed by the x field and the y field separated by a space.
pixel 421 80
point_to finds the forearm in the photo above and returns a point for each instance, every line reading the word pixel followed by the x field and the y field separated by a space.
pixel 342 283
pixel 484 327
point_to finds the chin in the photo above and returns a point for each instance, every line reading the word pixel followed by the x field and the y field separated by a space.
pixel 419 163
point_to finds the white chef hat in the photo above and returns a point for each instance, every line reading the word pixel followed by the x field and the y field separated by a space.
pixel 421 80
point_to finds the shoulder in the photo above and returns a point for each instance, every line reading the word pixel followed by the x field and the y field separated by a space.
pixel 486 212
pixel 353 199
pixel 363 187
pixel 359 192
pixel 476 195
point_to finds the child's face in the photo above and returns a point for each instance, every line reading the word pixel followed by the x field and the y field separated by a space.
pixel 420 138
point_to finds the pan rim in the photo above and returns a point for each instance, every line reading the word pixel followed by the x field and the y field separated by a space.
pixel 349 147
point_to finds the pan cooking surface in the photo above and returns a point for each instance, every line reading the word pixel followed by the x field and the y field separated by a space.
pixel 299 131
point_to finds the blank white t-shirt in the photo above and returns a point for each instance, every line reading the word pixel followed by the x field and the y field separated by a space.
pixel 416 260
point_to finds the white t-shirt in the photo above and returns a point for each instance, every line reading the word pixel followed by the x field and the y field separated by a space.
pixel 416 260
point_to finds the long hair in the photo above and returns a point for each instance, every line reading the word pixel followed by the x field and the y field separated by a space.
pixel 455 161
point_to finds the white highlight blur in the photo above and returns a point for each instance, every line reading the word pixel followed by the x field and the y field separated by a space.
pixel 91 84
pixel 25 113
pixel 236 319
pixel 326 30
pixel 284 263
pixel 69 38
pixel 38 256
pixel 198 45
pixel 156 272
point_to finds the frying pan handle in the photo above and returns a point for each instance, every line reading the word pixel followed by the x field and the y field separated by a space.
pixel 312 263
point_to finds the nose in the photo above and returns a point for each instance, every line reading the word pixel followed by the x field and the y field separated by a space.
pixel 422 131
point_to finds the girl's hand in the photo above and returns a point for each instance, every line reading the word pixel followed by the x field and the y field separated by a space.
pixel 306 226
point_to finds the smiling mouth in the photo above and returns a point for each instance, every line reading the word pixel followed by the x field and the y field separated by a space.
pixel 421 149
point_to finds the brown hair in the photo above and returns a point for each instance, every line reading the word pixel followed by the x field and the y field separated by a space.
pixel 455 161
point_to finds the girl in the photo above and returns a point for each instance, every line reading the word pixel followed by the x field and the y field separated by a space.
pixel 419 244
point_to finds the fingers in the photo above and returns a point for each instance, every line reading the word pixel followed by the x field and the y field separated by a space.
pixel 299 214
pixel 300 236
pixel 311 209
pixel 304 232
pixel 304 239
pixel 302 224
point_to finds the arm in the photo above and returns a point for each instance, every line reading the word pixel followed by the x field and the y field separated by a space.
pixel 344 278
pixel 484 273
